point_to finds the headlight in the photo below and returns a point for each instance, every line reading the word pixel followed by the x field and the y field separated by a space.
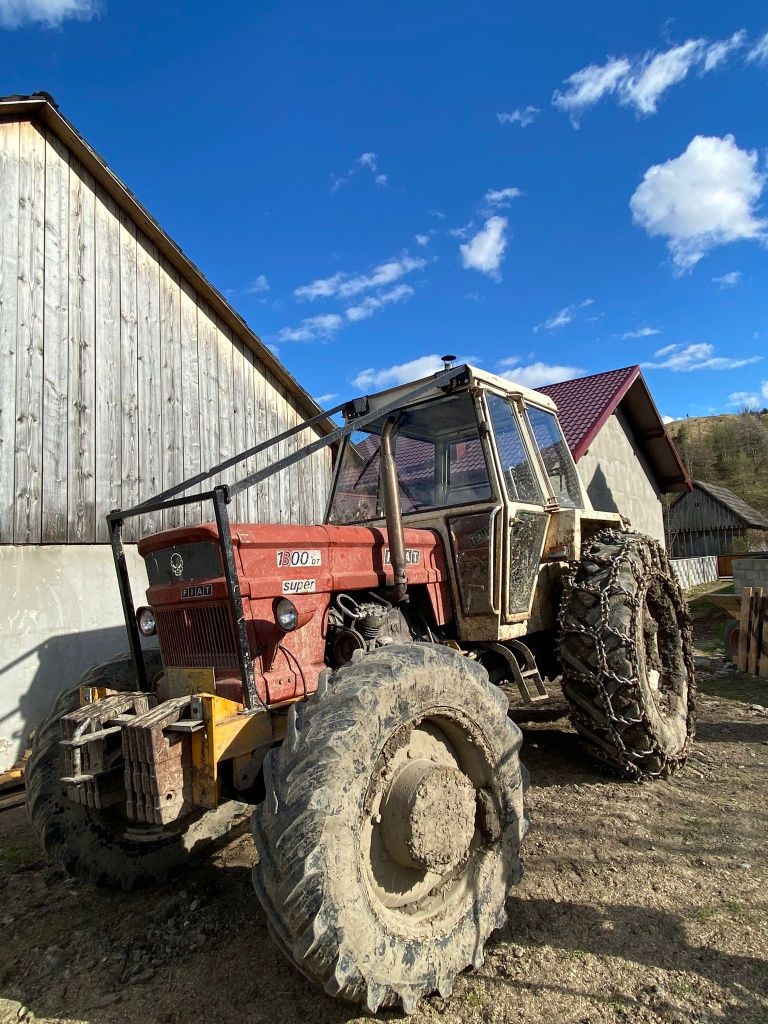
pixel 147 622
pixel 286 615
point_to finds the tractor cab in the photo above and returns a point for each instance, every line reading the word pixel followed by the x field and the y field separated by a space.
pixel 483 462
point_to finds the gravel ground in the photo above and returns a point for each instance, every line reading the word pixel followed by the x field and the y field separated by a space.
pixel 643 903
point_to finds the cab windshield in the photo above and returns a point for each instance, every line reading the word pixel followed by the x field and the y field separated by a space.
pixel 558 464
pixel 439 458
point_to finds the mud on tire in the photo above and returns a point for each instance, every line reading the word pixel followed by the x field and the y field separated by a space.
pixel 338 901
pixel 98 845
pixel 626 648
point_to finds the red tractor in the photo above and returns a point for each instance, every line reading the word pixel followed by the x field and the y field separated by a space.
pixel 352 681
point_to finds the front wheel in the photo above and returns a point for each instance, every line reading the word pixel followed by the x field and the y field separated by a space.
pixel 391 829
pixel 626 647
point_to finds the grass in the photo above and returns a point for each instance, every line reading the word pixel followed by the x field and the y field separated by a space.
pixel 473 997
pixel 701 824
pixel 14 857
pixel 740 688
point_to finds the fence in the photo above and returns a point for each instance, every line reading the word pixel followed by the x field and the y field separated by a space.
pixel 691 572
pixel 752 655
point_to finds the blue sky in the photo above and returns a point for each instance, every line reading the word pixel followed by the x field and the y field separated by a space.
pixel 552 190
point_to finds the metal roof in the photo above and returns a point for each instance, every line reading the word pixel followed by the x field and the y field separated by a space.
pixel 41 107
pixel 585 404
pixel 735 504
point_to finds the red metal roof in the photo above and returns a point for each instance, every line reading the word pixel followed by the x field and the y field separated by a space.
pixel 584 405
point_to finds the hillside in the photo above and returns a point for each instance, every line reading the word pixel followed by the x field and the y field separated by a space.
pixel 729 450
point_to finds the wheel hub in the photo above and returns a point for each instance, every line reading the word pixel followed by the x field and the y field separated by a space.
pixel 428 816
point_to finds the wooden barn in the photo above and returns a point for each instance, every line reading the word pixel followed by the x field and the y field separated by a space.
pixel 625 457
pixel 710 520
pixel 122 371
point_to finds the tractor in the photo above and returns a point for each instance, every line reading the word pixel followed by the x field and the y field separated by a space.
pixel 356 682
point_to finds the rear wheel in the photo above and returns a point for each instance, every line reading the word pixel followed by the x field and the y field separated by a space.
pixel 102 846
pixel 392 826
pixel 626 647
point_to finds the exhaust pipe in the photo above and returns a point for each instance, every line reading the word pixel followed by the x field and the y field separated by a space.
pixel 392 513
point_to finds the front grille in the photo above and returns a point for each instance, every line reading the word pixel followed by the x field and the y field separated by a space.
pixel 197 637
pixel 198 561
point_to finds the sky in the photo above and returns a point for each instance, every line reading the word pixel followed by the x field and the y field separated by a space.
pixel 544 190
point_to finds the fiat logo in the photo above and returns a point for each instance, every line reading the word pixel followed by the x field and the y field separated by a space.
pixel 177 564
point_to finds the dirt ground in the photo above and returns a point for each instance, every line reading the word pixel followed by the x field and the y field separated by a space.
pixel 643 903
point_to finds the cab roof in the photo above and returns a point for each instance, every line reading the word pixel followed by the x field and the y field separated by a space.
pixel 470 375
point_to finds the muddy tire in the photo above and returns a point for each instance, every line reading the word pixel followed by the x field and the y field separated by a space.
pixel 626 649
pixel 100 846
pixel 391 830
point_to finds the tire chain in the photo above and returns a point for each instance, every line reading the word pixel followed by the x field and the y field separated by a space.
pixel 625 763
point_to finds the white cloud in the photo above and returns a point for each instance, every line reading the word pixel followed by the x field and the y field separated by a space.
pixel 722 49
pixel 743 400
pixel 370 162
pixel 403 373
pixel 461 232
pixel 372 303
pixel 563 317
pixel 324 400
pixel 657 72
pixel 48 13
pixel 764 388
pixel 522 117
pixel 485 250
pixel 640 82
pixel 705 197
pixel 665 351
pixel 641 332
pixel 258 286
pixel 502 196
pixel 586 87
pixel 421 239
pixel 728 280
pixel 667 419
pixel 759 51
pixel 346 286
pixel 323 326
pixel 535 375
pixel 699 356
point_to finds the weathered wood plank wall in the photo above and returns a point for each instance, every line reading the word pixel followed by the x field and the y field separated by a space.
pixel 698 510
pixel 116 379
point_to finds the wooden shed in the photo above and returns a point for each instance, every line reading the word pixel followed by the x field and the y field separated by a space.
pixel 122 372
pixel 710 519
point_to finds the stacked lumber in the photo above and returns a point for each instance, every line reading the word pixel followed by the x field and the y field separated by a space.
pixel 753 633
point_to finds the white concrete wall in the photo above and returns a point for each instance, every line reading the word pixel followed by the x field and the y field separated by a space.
pixel 60 613
pixel 618 478
pixel 692 572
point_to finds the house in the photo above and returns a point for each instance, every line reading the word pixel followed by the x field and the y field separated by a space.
pixel 709 519
pixel 625 457
pixel 122 372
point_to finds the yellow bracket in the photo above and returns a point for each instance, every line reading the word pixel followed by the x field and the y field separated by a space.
pixel 93 694
pixel 229 732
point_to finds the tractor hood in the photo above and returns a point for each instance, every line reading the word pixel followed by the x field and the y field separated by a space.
pixel 278 560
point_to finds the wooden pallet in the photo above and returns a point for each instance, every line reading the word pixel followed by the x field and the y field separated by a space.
pixel 753 633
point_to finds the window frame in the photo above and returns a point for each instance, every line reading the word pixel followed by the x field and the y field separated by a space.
pixel 553 500
pixel 442 445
